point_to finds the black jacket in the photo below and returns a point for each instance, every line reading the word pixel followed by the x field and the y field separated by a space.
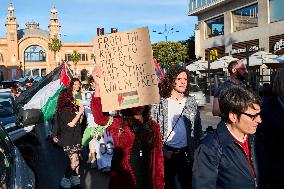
pixel 270 144
pixel 220 162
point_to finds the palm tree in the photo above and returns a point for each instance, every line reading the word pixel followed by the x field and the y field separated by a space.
pixel 55 46
pixel 75 58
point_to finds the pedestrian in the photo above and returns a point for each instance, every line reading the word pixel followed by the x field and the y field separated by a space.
pixel 180 123
pixel 69 120
pixel 238 73
pixel 137 161
pixel 92 84
pixel 225 158
pixel 269 136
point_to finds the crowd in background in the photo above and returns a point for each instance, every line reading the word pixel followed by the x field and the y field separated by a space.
pixel 159 145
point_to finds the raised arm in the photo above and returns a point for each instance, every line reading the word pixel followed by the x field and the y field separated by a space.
pixel 96 105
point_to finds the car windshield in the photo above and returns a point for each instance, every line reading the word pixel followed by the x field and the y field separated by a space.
pixel 6 107
pixel 194 88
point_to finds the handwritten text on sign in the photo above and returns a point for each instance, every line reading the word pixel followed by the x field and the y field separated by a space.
pixel 126 60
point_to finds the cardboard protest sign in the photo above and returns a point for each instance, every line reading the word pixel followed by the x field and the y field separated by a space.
pixel 129 78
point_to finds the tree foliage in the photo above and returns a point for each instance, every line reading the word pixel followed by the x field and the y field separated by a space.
pixel 75 58
pixel 54 45
pixel 190 45
pixel 169 53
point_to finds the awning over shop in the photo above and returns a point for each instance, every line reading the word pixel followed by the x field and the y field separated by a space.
pixel 199 65
pixel 262 57
pixel 222 62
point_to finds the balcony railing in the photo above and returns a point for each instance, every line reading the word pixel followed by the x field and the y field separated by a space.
pixel 199 5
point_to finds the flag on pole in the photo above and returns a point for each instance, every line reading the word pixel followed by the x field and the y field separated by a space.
pixel 158 70
pixel 43 95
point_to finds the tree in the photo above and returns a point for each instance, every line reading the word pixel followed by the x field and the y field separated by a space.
pixel 190 44
pixel 169 53
pixel 54 45
pixel 75 58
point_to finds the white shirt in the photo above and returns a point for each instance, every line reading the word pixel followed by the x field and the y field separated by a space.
pixel 178 137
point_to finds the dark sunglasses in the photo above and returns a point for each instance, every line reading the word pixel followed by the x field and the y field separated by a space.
pixel 252 116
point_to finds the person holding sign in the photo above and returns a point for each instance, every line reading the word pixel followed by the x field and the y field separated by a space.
pixel 180 123
pixel 137 161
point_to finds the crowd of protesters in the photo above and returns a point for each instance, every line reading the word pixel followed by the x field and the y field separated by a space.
pixel 157 146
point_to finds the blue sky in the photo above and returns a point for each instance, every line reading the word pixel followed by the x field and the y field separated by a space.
pixel 80 18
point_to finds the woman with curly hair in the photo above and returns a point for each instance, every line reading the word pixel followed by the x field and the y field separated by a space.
pixel 179 119
pixel 69 119
pixel 137 161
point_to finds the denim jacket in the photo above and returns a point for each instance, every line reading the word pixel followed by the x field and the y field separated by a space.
pixel 190 115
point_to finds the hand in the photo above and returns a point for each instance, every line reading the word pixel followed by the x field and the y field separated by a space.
pixel 97 74
pixel 55 139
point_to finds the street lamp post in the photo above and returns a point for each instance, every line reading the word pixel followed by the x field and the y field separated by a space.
pixel 166 32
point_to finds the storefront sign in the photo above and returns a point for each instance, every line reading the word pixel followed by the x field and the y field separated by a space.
pixel 214 53
pixel 276 44
pixel 279 45
pixel 240 49
pixel 251 49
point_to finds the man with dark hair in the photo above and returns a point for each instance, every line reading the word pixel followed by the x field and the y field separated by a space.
pixel 226 158
pixel 238 72
pixel 28 82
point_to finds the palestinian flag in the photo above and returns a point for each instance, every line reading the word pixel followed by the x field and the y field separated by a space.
pixel 42 96
pixel 158 70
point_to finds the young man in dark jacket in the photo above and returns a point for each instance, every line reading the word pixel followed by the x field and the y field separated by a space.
pixel 225 158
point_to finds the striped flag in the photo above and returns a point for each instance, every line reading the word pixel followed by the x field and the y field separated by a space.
pixel 43 95
pixel 158 71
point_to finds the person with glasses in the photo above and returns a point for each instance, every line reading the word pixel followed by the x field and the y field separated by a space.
pixel 226 158
pixel 238 73
pixel 269 135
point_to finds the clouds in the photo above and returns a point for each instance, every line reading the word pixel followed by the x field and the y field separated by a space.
pixel 81 18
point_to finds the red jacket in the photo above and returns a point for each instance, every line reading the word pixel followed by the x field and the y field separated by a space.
pixel 122 175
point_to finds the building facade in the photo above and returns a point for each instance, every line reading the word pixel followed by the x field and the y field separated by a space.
pixel 25 51
pixel 233 27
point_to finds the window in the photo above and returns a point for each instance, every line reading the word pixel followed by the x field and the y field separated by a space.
pixel 84 57
pixel 276 10
pixel 35 53
pixel 67 57
pixel 215 26
pixel 28 72
pixel 35 72
pixel 43 72
pixel 245 18
pixel 1 57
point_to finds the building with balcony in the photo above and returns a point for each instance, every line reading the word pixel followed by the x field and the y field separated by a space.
pixel 25 51
pixel 239 29
pixel 231 27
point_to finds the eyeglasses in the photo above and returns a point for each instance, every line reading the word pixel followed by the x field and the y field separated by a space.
pixel 252 116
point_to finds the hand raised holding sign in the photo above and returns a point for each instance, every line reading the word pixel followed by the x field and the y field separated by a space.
pixel 97 74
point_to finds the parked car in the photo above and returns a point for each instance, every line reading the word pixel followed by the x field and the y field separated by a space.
pixel 198 94
pixel 14 171
pixel 8 117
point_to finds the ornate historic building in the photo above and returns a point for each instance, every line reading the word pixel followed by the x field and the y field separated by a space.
pixel 25 51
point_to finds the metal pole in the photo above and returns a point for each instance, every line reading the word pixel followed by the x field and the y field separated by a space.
pixel 208 76
pixel 247 57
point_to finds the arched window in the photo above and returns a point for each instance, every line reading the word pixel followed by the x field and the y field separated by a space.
pixel 35 53
pixel 1 57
